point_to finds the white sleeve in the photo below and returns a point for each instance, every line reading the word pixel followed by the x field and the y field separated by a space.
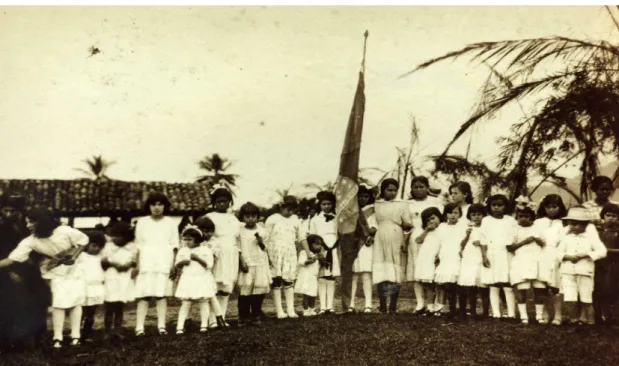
pixel 599 249
pixel 77 237
pixel 174 237
pixel 22 252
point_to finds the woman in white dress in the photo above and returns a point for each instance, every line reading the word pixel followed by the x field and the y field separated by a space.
pixel 420 200
pixel 60 245
pixel 362 267
pixel 157 241
pixel 389 250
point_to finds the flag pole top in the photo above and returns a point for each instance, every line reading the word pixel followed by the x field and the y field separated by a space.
pixel 365 43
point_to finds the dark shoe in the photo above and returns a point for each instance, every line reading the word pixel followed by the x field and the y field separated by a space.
pixel 420 312
pixel 221 323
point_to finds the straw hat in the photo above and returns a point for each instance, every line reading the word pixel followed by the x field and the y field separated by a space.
pixel 578 214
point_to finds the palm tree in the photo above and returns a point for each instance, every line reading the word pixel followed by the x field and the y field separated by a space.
pixel 97 167
pixel 216 166
pixel 580 101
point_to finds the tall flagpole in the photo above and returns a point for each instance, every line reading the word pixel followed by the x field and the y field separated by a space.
pixel 365 43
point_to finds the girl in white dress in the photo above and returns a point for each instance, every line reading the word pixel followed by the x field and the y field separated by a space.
pixel 119 258
pixel 196 282
pixel 307 278
pixel 460 193
pixel 325 226
pixel 389 257
pixel 497 232
pixel 420 200
pixel 428 243
pixel 227 254
pixel 362 267
pixel 524 267
pixel 474 258
pixel 157 242
pixel 60 245
pixel 283 234
pixel 90 263
pixel 451 235
pixel 254 283
pixel 550 213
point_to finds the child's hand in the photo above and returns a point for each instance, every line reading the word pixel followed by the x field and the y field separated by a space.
pixel 437 261
pixel 486 262
pixel 244 267
pixel 477 243
pixel 469 231
pixel 570 258
pixel 173 273
pixel 194 257
pixel 134 273
pixel 403 249
pixel 369 241
pixel 460 253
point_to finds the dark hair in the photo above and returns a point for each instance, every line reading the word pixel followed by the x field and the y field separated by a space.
pixel 386 183
pixel 599 180
pixel 420 179
pixel 476 208
pixel 365 190
pixel 498 197
pixel 205 224
pixel 155 197
pixel 193 233
pixel 548 200
pixel 313 239
pixel 527 211
pixel 609 208
pixel 45 222
pixel 249 209
pixel 325 196
pixel 96 237
pixel 427 213
pixel 289 202
pixel 465 188
pixel 123 230
pixel 449 208
pixel 221 192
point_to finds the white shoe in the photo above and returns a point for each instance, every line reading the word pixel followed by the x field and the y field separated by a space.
pixel 292 315
pixel 282 315
pixel 542 321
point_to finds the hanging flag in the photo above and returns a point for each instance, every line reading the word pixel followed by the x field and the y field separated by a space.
pixel 346 185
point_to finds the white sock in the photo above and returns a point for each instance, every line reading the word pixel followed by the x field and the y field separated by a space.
pixel 215 309
pixel 142 309
pixel 510 299
pixel 277 299
pixel 419 296
pixel 75 316
pixel 290 301
pixel 162 309
pixel 522 309
pixel 58 322
pixel 353 292
pixel 367 289
pixel 322 294
pixel 204 313
pixel 330 294
pixel 223 302
pixel 495 301
pixel 539 311
pixel 183 312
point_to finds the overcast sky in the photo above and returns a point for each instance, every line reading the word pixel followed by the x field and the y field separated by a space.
pixel 268 87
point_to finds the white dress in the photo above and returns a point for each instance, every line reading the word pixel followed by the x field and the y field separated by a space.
pixel 497 234
pixel 282 235
pixel 119 286
pixel 472 261
pixel 388 261
pixel 196 281
pixel 449 254
pixel 328 232
pixel 226 239
pixel 67 282
pixel 94 277
pixel 257 280
pixel 550 265
pixel 427 253
pixel 524 265
pixel 307 279
pixel 155 241
pixel 363 262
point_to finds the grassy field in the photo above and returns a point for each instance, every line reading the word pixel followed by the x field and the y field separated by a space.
pixel 346 340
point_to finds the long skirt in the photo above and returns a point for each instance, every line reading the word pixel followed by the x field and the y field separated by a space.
pixel 388 260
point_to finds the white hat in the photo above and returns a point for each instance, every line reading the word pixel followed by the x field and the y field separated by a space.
pixel 578 214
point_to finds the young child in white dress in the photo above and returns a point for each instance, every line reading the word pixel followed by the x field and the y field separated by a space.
pixel 474 258
pixel 227 254
pixel 325 226
pixel 497 232
pixel 362 266
pixel 578 250
pixel 283 234
pixel 307 277
pixel 157 241
pixel 428 244
pixel 118 261
pixel 451 234
pixel 524 267
pixel 254 283
pixel 60 245
pixel 90 263
pixel 550 213
pixel 196 283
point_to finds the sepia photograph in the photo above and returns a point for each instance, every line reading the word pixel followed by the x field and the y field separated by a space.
pixel 300 184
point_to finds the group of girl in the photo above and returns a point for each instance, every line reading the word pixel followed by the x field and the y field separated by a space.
pixel 452 253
